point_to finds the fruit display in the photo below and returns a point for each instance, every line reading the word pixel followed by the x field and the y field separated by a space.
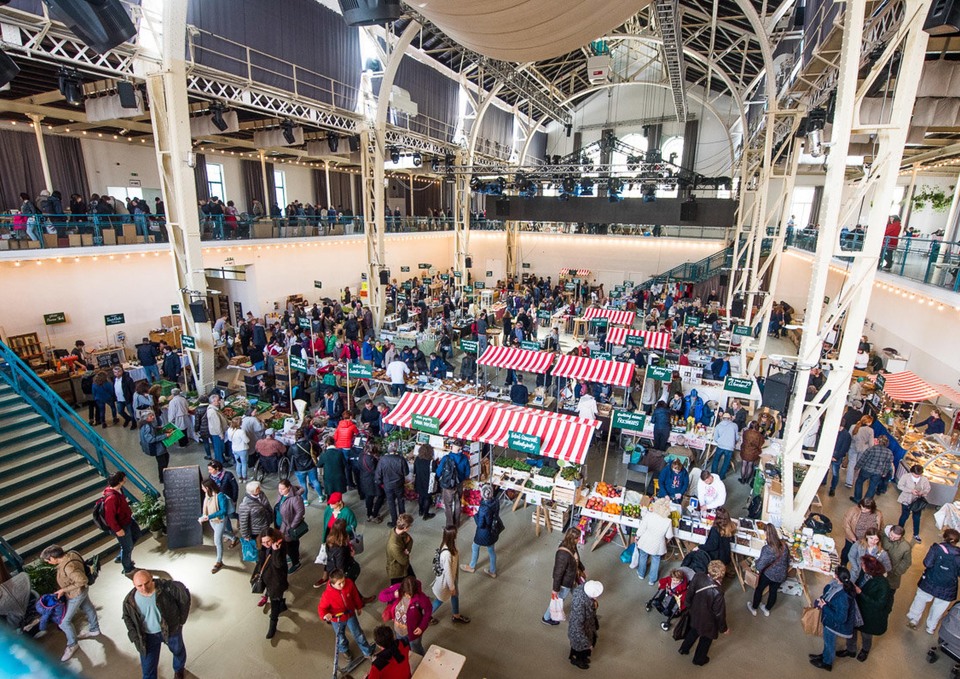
pixel 632 511
pixel 598 504
pixel 606 490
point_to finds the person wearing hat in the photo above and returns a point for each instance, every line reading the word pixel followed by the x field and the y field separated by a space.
pixel 336 509
pixel 725 438
pixel 583 624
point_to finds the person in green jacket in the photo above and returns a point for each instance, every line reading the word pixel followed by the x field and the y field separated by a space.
pixel 334 470
pixel 875 601
pixel 337 510
pixel 900 552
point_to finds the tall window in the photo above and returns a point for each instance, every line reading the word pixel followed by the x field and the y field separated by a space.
pixel 215 181
pixel 278 179
pixel 802 205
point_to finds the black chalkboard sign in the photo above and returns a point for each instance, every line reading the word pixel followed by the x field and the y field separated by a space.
pixel 184 502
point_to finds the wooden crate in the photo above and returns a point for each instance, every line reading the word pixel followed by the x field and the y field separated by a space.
pixel 558 517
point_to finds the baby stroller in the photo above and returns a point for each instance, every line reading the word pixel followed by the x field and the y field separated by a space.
pixel 948 640
pixel 671 602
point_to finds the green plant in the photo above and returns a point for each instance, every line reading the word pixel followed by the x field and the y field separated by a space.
pixel 570 473
pixel 939 199
pixel 43 577
pixel 150 513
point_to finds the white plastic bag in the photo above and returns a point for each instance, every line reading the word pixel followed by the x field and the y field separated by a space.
pixel 556 610
pixel 322 554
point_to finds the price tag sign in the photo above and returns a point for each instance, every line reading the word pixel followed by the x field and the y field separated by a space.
pixel 298 363
pixel 359 370
pixel 431 425
pixel 691 321
pixel 469 346
pixel 524 443
pixel 318 284
pixel 624 419
pixel 738 385
pixel 655 372
pixel 489 274
pixel 634 340
pixel 54 319
pixel 174 309
pixel 114 319
pixel 531 346
pixel 742 331
pixel 188 341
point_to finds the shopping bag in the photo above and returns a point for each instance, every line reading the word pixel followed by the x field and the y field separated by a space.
pixel 356 543
pixel 812 621
pixel 683 626
pixel 556 610
pixel 322 554
pixel 626 556
pixel 248 550
pixel 751 578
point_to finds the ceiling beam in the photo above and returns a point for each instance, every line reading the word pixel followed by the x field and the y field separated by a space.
pixel 75 115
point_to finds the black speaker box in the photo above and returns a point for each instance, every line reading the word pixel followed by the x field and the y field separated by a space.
pixel 503 208
pixel 776 391
pixel 724 280
pixel 468 262
pixel 943 17
pixel 8 69
pixel 688 211
pixel 354 144
pixel 127 94
pixel 198 311
pixel 100 24
pixel 384 277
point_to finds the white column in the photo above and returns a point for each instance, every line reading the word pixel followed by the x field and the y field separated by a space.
pixel 268 200
pixel 42 148
pixel 326 172
pixel 411 195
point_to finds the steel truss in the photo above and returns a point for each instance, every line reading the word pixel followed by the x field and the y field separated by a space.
pixel 847 312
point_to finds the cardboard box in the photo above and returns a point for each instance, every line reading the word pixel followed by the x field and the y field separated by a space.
pixel 74 240
pixel 4 244
pixel 86 239
pixel 262 230
pixel 109 236
pixel 32 245
pixel 49 240
pixel 124 230
pixel 13 244
pixel 153 239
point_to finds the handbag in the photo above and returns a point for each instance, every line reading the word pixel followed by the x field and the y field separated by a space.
pixel 811 620
pixel 352 570
pixel 356 544
pixel 322 554
pixel 626 556
pixel 556 610
pixel 682 626
pixel 248 550
pixel 257 585
pixel 918 505
pixel 299 530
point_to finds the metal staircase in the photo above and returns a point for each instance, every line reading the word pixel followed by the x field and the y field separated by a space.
pixel 706 268
pixel 53 466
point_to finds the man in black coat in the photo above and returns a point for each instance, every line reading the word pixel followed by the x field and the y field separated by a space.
pixel 708 612
pixel 172 367
pixel 167 601
pixel 147 355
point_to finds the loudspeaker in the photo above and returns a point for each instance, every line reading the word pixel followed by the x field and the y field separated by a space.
pixel 354 144
pixel 127 93
pixel 776 391
pixel 384 276
pixel 943 17
pixel 198 310
pixel 503 208
pixel 688 211
pixel 468 262
pixel 370 12
pixel 101 24
pixel 736 307
pixel 8 69
pixel 724 280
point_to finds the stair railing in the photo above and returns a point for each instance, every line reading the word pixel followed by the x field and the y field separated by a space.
pixel 58 414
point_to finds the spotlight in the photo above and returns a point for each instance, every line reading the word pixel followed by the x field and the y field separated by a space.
pixel 816 120
pixel 525 187
pixel 449 160
pixel 615 190
pixel 633 163
pixel 586 187
pixel 71 86
pixel 475 184
pixel 8 69
pixel 435 164
pixel 287 127
pixel 216 117
pixel 417 159
pixel 568 185
pixel 333 142
pixel 649 193
pixel 394 155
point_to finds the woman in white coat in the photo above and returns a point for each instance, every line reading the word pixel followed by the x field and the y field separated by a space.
pixel 178 413
pixel 862 433
pixel 446 585
pixel 240 444
pixel 652 535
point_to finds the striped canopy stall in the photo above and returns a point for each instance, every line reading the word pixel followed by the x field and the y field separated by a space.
pixel 580 273
pixel 947 392
pixel 615 316
pixel 460 416
pixel 512 358
pixel 562 437
pixel 651 340
pixel 595 370
pixel 905 386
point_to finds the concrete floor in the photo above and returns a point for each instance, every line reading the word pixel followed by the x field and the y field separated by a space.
pixel 225 633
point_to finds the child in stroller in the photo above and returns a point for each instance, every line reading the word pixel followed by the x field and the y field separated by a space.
pixel 671 596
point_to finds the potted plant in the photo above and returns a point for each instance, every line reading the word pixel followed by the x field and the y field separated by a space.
pixel 150 513
pixel 938 198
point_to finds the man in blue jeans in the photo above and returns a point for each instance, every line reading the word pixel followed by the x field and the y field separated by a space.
pixel 840 450
pixel 147 355
pixel 725 438
pixel 154 613
pixel 119 518
pixel 872 465
pixel 73 584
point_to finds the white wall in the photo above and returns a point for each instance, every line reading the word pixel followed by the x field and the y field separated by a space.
pixel 923 332
pixel 111 163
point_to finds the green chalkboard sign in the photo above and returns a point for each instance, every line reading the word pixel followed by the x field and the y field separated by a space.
pixel 431 425
pixel 404 269
pixel 738 385
pixel 188 341
pixel 634 340
pixel 624 419
pixel 742 331
pixel 469 346
pixel 54 319
pixel 660 374
pixel 114 319
pixel 524 443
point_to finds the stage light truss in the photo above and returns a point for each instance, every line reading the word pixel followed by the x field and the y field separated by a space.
pixel 668 21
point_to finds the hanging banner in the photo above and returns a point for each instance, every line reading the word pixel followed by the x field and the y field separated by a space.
pixel 655 372
pixel 628 421
pixel 524 443
pixel 431 425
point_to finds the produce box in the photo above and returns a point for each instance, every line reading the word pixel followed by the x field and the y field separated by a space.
pixel 167 387
pixel 109 236
pixel 49 240
pixel 559 516
pixel 86 239
pixel 173 434
pixel 74 240
pixel 565 495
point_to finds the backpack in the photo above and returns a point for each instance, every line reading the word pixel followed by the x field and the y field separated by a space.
pixel 819 523
pixel 100 514
pixel 91 569
pixel 437 566
pixel 448 475
pixel 755 508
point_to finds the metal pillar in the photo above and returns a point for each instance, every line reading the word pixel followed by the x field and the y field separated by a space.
pixel 513 247
pixel 326 173
pixel 170 117
pixel 412 212
pixel 372 147
pixel 848 309
pixel 42 148
pixel 461 216
pixel 267 198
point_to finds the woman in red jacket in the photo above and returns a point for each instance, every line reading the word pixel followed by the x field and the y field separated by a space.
pixel 339 605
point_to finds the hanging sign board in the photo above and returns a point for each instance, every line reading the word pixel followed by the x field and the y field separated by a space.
pixel 458 274
pixel 655 372
pixel 634 340
pixel 54 319
pixel 318 284
pixel 691 321
pixel 298 363
pixel 532 346
pixel 601 355
pixel 524 443
pixel 188 341
pixel 624 419
pixel 468 346
pixel 304 322
pixel 479 285
pixel 570 287
pixel 404 269
pixel 544 315
pixel 431 425
pixel 880 382
pixel 359 370
pixel 423 265
pixel 599 322
pixel 742 331
pixel 114 319
pixel 174 309
pixel 738 385
pixel 489 274
pixel 526 265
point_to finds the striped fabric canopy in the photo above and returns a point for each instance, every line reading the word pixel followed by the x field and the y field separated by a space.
pixel 562 437
pixel 460 416
pixel 905 386
pixel 651 340
pixel 613 315
pixel 595 370
pixel 517 359
pixel 580 272
pixel 947 392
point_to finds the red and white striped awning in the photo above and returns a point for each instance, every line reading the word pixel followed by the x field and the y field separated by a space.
pixel 460 416
pixel 948 392
pixel 581 273
pixel 651 340
pixel 595 370
pixel 517 359
pixel 615 316
pixel 905 386
pixel 562 437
